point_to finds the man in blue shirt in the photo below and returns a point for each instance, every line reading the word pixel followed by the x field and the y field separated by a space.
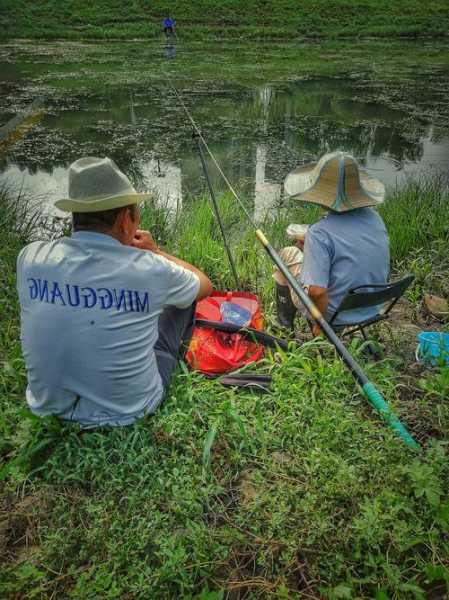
pixel 105 313
pixel 349 247
pixel 169 25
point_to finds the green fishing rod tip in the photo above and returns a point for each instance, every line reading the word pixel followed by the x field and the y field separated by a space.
pixel 378 402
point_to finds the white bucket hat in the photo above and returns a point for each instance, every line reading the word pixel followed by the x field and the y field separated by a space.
pixel 336 182
pixel 97 184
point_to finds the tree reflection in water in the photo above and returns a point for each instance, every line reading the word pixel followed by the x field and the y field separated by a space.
pixel 257 136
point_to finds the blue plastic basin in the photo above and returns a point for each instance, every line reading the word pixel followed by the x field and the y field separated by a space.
pixel 433 347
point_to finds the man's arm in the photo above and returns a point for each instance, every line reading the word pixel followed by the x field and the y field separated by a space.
pixel 319 297
pixel 144 241
pixel 315 271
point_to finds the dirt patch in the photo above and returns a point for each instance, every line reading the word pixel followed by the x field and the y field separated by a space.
pixel 18 523
pixel 399 339
pixel 399 333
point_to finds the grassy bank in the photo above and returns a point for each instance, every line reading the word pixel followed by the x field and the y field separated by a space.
pixel 303 493
pixel 50 19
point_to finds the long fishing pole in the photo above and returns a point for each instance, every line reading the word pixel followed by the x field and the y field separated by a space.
pixel 217 211
pixel 368 388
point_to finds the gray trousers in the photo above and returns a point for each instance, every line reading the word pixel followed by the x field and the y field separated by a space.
pixel 175 332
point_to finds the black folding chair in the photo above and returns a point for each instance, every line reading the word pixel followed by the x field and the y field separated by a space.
pixel 385 294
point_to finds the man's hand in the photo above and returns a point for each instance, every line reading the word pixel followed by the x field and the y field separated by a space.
pixel 144 241
pixel 316 330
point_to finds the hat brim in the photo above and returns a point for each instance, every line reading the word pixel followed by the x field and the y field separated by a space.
pixel 299 185
pixel 99 204
pixel 299 180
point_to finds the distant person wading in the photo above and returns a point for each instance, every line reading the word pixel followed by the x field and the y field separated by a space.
pixel 169 25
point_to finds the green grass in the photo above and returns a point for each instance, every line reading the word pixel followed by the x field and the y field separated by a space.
pixel 113 19
pixel 417 219
pixel 417 216
pixel 303 493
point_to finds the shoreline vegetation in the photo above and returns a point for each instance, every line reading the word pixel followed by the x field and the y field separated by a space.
pixel 283 19
pixel 302 493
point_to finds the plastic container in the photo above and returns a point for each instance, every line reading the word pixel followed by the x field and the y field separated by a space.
pixel 235 314
pixel 433 347
pixel 296 231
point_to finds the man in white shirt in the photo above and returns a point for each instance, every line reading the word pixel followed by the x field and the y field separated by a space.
pixel 105 313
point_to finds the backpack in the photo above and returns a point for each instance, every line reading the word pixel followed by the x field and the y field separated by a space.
pixel 218 345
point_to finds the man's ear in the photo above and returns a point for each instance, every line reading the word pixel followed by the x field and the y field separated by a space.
pixel 121 221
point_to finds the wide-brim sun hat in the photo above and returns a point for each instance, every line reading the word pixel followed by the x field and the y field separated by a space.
pixel 336 182
pixel 97 184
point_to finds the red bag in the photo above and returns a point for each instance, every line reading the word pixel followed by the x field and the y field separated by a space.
pixel 213 351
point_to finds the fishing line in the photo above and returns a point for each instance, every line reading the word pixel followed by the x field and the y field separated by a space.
pixel 217 214
pixel 209 151
pixel 369 389
pixel 199 138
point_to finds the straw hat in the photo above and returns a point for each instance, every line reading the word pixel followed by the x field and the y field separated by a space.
pixel 97 184
pixel 336 182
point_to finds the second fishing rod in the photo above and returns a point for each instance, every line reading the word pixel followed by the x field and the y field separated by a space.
pixel 369 389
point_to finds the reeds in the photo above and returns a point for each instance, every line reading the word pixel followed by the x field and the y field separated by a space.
pixel 416 216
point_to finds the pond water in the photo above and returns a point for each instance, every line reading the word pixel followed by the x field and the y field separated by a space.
pixel 264 109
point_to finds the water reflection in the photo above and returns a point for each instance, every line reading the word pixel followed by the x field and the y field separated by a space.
pixel 45 186
pixel 132 113
pixel 160 177
pixel 170 51
pixel 165 181
pixel 266 193
pixel 256 135
pixel 317 117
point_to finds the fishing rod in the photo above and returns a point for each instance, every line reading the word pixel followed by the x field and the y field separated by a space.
pixel 367 386
pixel 198 138
pixel 217 211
